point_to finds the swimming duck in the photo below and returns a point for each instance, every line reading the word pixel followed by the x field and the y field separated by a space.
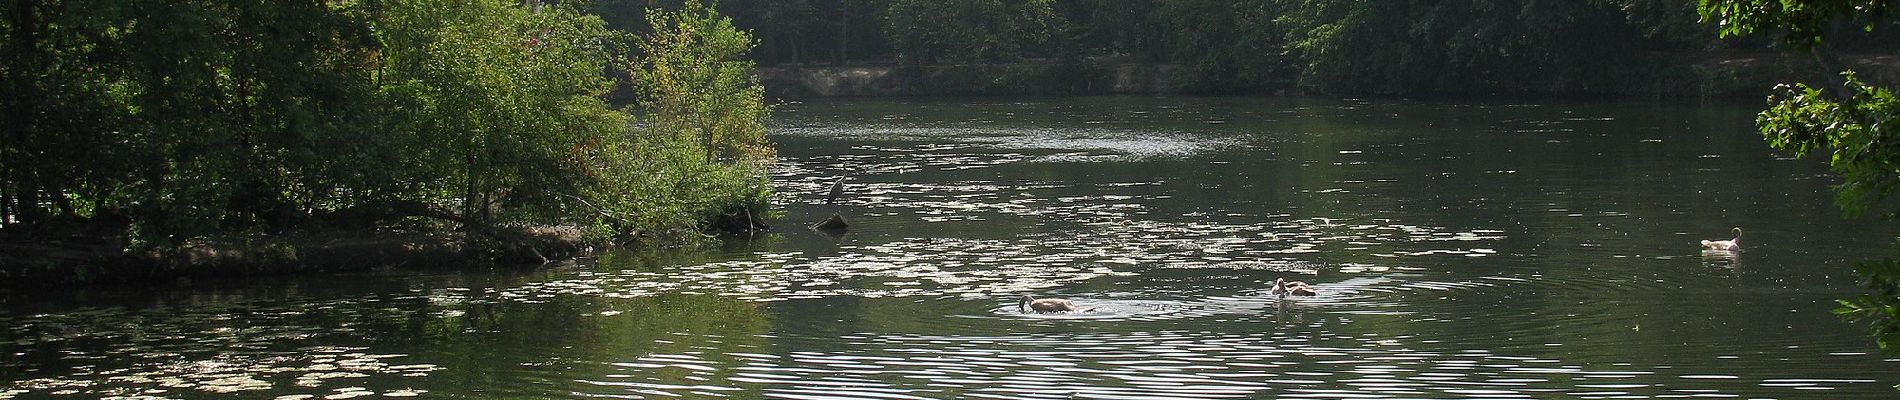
pixel 1283 287
pixel 1731 244
pixel 1046 305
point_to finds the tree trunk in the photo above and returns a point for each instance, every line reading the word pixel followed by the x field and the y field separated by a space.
pixel 23 62
pixel 61 202
pixel 468 190
pixel 29 206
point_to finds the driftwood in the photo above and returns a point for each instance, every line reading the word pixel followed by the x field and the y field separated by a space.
pixel 836 223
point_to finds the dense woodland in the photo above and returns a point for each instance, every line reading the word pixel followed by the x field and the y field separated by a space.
pixel 171 121
pixel 1353 47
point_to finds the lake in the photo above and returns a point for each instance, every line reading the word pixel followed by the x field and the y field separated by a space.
pixel 1461 250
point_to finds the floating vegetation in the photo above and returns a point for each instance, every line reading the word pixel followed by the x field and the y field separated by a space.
pixel 114 352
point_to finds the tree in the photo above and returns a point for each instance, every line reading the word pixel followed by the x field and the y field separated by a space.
pixel 1851 121
pixel 925 32
pixel 1225 45
pixel 1461 46
pixel 185 119
pixel 493 98
pixel 700 148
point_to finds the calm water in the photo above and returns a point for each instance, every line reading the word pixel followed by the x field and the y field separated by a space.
pixel 1495 250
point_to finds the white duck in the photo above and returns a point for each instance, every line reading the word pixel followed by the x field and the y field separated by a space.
pixel 1729 245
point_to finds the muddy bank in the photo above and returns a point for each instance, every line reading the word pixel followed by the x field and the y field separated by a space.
pixel 65 260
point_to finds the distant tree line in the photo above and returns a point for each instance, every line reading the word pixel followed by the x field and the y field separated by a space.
pixel 1329 46
pixel 180 119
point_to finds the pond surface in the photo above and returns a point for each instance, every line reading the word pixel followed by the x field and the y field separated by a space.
pixel 1461 250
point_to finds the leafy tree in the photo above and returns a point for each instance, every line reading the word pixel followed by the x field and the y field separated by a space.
pixel 497 98
pixel 925 32
pixel 1125 27
pixel 1399 47
pixel 57 113
pixel 1666 24
pixel 699 151
pixel 796 31
pixel 1802 23
pixel 191 118
pixel 1854 126
pixel 1226 45
pixel 783 26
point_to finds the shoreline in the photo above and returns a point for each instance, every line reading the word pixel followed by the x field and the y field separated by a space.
pixel 1691 76
pixel 28 264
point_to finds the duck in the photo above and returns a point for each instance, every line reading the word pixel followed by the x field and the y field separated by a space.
pixel 1283 287
pixel 1730 245
pixel 1046 305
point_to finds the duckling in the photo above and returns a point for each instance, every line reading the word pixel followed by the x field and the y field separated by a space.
pixel 1730 245
pixel 1283 287
pixel 1046 305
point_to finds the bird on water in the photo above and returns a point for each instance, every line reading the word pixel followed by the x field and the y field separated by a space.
pixel 1731 244
pixel 1282 287
pixel 1045 305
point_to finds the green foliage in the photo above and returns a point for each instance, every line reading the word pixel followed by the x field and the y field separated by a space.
pixel 190 116
pixel 1397 47
pixel 1852 128
pixel 1666 23
pixel 695 83
pixel 1879 308
pixel 493 101
pixel 1802 23
pixel 1853 131
pixel 193 118
pixel 970 31
pixel 789 31
pixel 1466 46
pixel 1225 45
pixel 700 147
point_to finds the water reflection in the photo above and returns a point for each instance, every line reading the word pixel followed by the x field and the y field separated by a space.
pixel 1301 360
pixel 1729 259
pixel 116 352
